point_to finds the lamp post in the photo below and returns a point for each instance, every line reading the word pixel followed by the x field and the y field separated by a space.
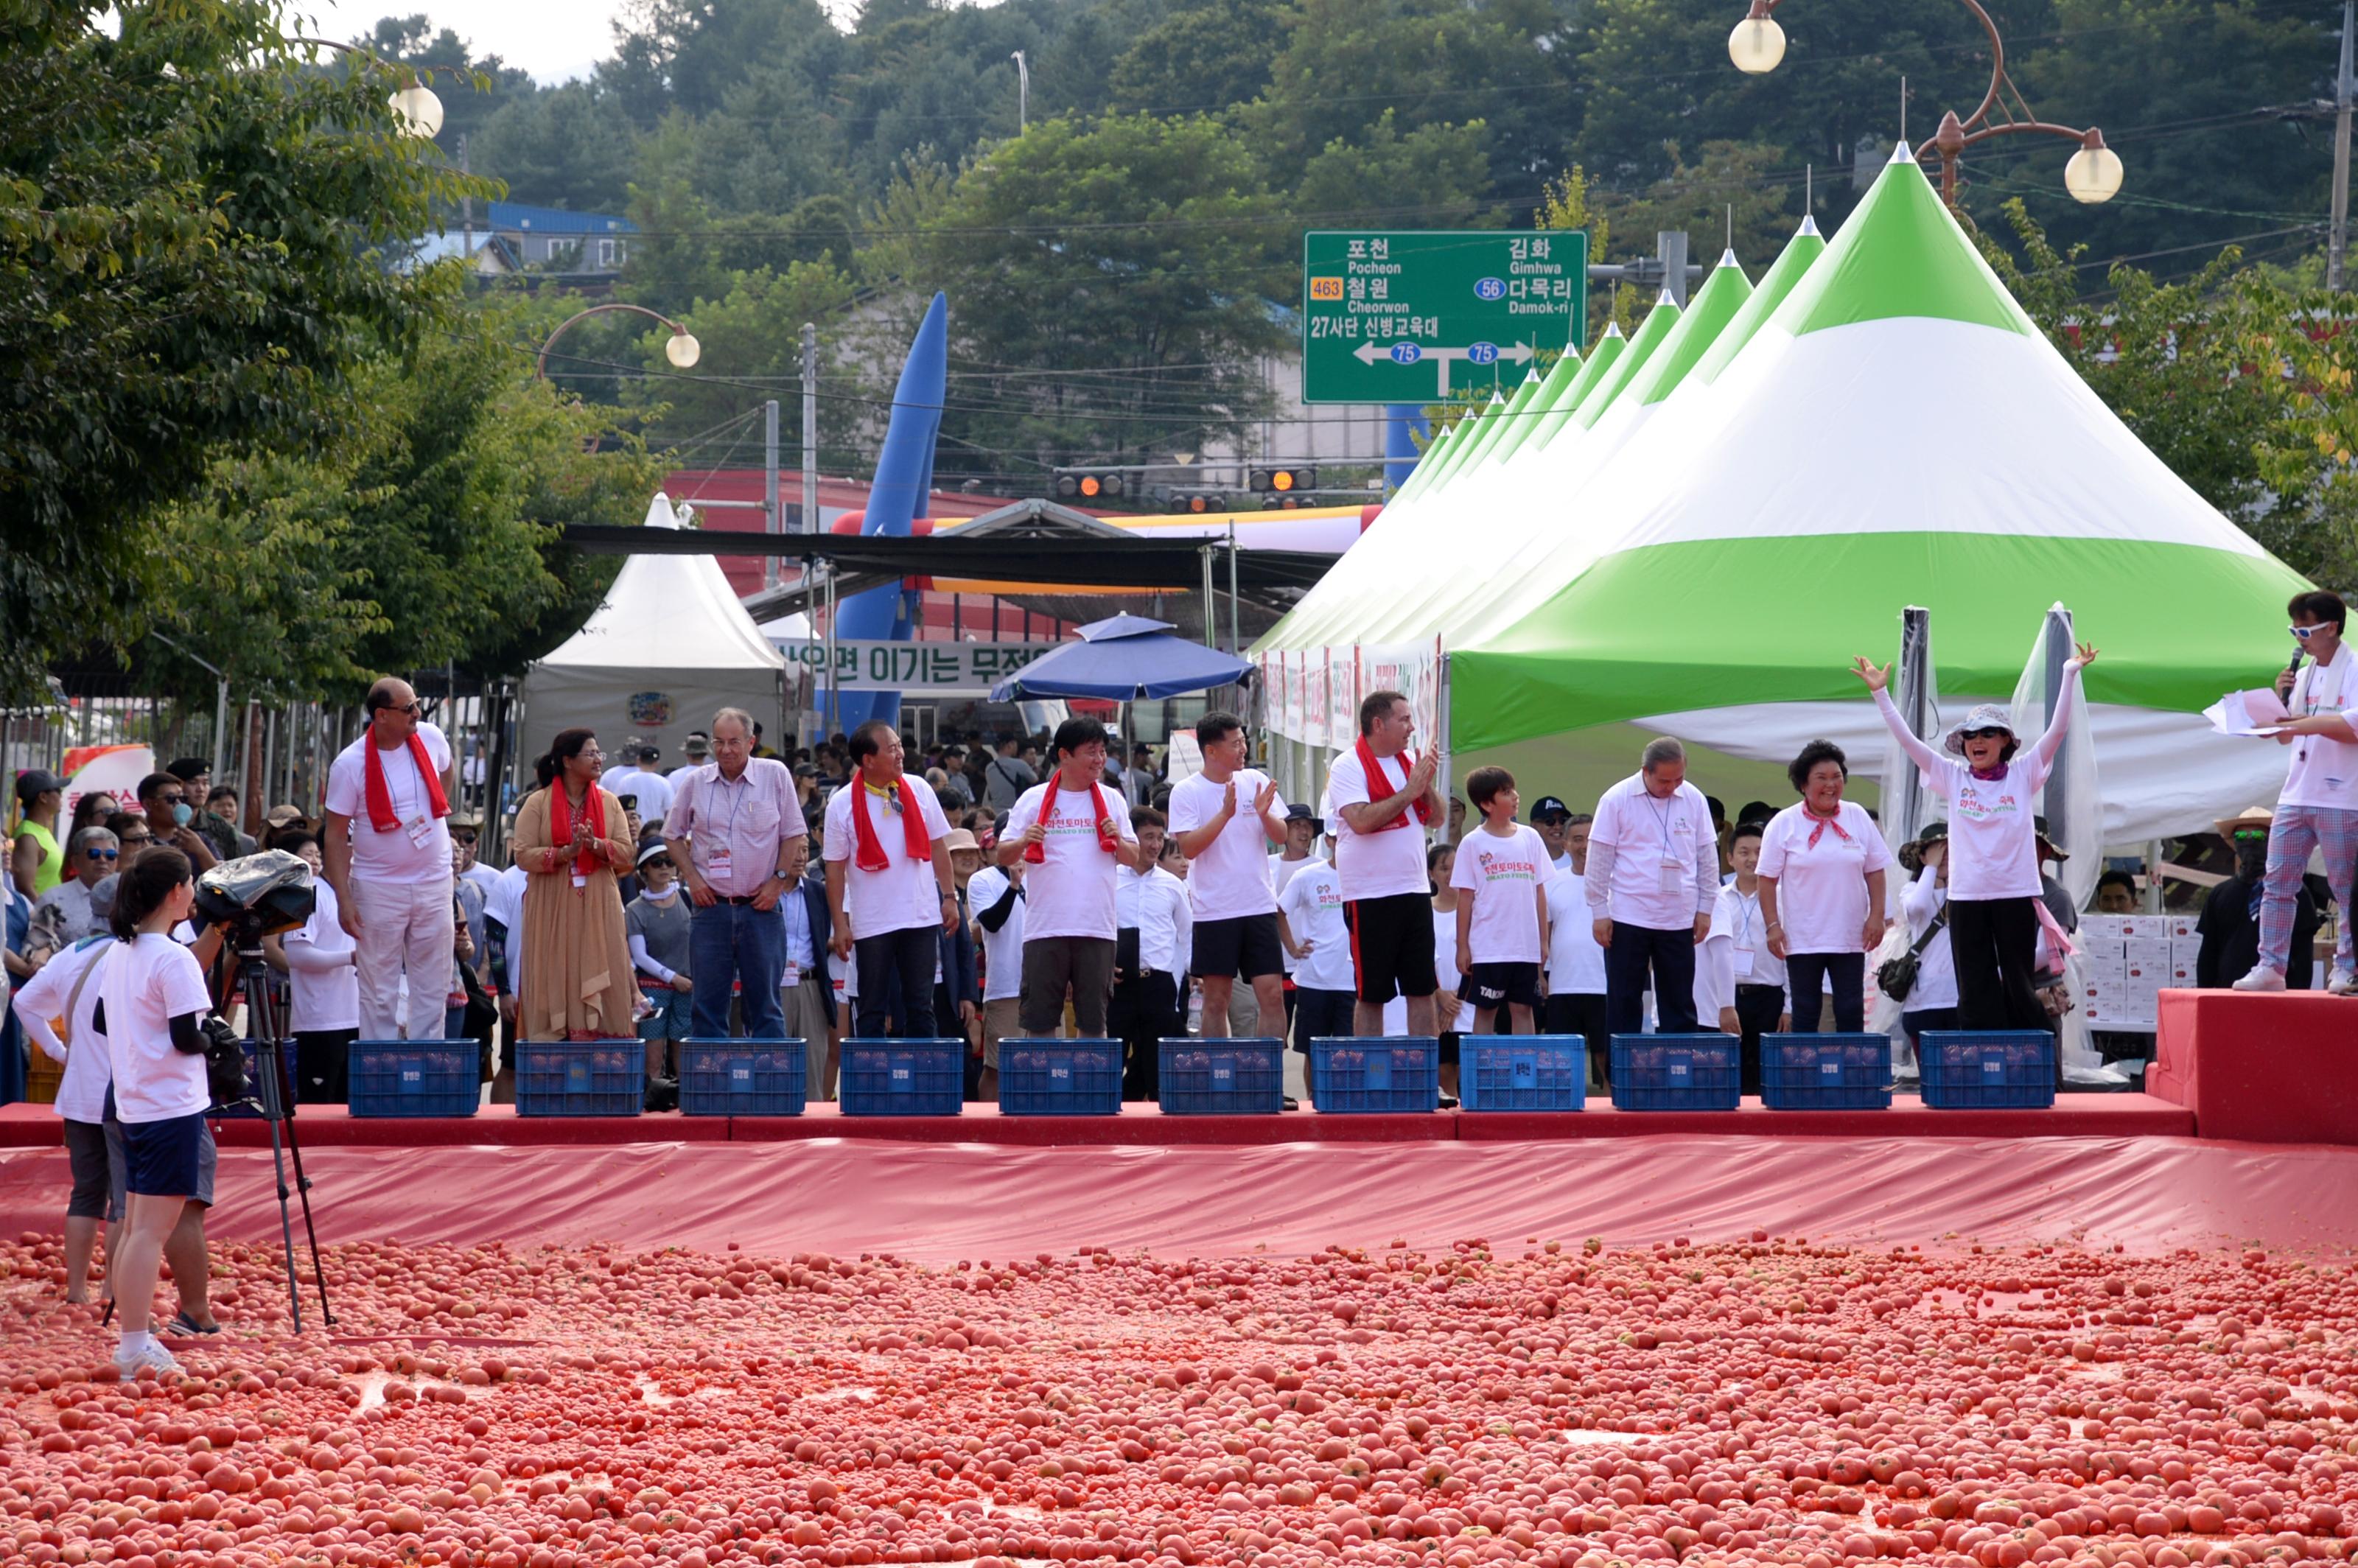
pixel 2093 175
pixel 683 350
pixel 416 108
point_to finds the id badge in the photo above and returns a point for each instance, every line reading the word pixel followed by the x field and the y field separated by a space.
pixel 419 829
pixel 1673 873
pixel 717 863
pixel 580 881
pixel 791 979
pixel 1743 961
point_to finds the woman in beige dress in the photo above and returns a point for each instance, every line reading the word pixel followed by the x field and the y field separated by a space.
pixel 570 840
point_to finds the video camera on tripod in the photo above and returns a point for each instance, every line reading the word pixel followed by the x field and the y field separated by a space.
pixel 251 898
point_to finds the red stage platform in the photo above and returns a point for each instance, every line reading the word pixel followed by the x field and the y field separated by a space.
pixel 328 1126
pixel 2278 1068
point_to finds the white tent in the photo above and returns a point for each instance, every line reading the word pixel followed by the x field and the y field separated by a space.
pixel 669 646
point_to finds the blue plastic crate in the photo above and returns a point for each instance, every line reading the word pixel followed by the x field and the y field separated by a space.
pixel 1222 1078
pixel 1825 1072
pixel 1967 1069
pixel 581 1077
pixel 1523 1072
pixel 743 1077
pixel 1393 1074
pixel 903 1077
pixel 416 1077
pixel 248 1106
pixel 1060 1078
pixel 1676 1072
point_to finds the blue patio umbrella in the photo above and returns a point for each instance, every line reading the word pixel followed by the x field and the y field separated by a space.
pixel 1125 658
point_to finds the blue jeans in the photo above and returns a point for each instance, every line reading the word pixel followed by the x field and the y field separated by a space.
pixel 896 975
pixel 736 942
pixel 1670 955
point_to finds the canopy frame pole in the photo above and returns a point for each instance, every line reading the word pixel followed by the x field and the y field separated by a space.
pixel 1211 612
pixel 2058 650
pixel 1233 610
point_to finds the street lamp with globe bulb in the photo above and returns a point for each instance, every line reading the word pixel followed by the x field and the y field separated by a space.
pixel 1758 44
pixel 419 110
pixel 2094 175
pixel 683 350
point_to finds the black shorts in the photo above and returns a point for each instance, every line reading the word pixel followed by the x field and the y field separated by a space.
pixel 1243 946
pixel 86 1158
pixel 164 1159
pixel 1492 986
pixel 1391 945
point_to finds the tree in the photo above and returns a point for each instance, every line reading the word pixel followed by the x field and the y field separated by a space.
pixel 2303 347
pixel 1698 199
pixel 1109 286
pixel 1437 173
pixel 1200 57
pixel 473 89
pixel 752 339
pixel 429 532
pixel 189 222
pixel 570 146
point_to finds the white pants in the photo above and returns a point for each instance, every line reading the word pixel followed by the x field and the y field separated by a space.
pixel 404 927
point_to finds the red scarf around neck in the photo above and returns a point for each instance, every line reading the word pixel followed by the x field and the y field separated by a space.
pixel 1036 854
pixel 560 825
pixel 1377 781
pixel 380 814
pixel 1818 825
pixel 869 851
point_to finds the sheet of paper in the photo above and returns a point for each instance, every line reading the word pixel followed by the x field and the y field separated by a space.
pixel 2246 713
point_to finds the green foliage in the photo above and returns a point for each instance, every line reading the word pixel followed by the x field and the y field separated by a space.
pixel 189 218
pixel 570 147
pixel 2304 347
pixel 427 532
pixel 752 340
pixel 1699 198
pixel 1430 175
pixel 1140 249
pixel 1200 57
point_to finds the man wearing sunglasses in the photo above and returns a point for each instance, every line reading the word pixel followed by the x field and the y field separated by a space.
pixel 387 855
pixel 92 858
pixel 170 816
pixel 2319 806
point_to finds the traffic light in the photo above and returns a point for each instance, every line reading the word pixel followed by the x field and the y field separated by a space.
pixel 1090 484
pixel 1283 487
pixel 1197 500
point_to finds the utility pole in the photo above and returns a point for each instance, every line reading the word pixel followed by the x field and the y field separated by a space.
pixel 466 210
pixel 810 428
pixel 773 522
pixel 2337 246
pixel 1022 91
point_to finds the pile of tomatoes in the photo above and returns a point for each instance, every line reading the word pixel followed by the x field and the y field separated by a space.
pixel 1569 1404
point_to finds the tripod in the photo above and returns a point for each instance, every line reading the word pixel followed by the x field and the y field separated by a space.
pixel 266 1030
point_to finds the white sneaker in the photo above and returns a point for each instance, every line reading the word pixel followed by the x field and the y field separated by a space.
pixel 2262 978
pixel 2341 983
pixel 148 1358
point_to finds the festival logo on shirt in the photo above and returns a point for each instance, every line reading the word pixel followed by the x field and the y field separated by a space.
pixel 1501 869
pixel 1972 803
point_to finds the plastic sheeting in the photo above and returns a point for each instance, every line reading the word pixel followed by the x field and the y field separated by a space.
pixel 940 1203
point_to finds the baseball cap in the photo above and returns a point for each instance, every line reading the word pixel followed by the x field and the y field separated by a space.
pixel 35 781
pixel 1547 806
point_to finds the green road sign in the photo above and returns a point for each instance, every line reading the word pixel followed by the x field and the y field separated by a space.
pixel 1411 318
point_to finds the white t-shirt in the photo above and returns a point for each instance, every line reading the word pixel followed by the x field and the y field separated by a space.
pixel 419 849
pixel 1282 871
pixel 1071 891
pixel 1002 950
pixel 904 895
pixel 1665 857
pixel 1993 826
pixel 1821 889
pixel 1737 917
pixel 505 904
pixel 1575 962
pixel 1446 973
pixel 2323 772
pixel 651 791
pixel 1506 875
pixel 1230 878
pixel 149 982
pixel 81 1091
pixel 1936 966
pixel 1380 864
pixel 1313 906
pixel 483 877
pixel 326 999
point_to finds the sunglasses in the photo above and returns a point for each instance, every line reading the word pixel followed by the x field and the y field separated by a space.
pixel 1989 734
pixel 2306 633
pixel 102 854
pixel 658 863
pixel 134 842
pixel 2251 835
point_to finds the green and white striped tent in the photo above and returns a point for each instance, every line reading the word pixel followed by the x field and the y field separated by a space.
pixel 1892 431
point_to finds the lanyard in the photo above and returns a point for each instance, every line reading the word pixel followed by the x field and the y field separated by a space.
pixel 1662 821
